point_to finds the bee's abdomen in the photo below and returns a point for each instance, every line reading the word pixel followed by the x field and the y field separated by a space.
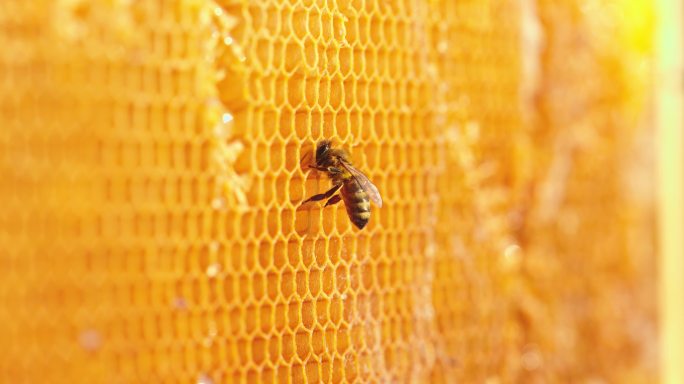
pixel 357 203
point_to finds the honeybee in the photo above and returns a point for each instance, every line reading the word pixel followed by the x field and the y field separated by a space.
pixel 354 188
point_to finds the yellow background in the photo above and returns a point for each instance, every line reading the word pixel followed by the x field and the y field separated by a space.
pixel 150 180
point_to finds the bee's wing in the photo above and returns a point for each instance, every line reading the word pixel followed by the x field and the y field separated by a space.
pixel 365 184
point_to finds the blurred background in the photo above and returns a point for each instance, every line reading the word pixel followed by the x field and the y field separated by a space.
pixel 528 152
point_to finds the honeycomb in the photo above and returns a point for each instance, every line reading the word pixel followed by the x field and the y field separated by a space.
pixel 151 229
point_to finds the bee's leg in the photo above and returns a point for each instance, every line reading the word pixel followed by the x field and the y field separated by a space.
pixel 323 196
pixel 306 160
pixel 328 169
pixel 333 200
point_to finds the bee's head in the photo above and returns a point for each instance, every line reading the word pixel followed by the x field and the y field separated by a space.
pixel 322 149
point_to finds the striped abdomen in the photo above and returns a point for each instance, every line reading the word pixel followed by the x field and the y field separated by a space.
pixel 357 203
